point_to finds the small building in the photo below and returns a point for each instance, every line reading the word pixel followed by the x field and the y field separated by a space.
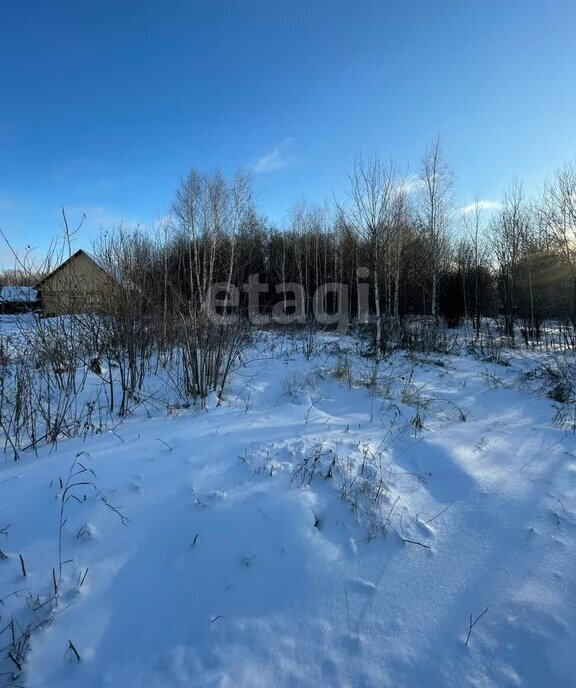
pixel 81 284
pixel 18 299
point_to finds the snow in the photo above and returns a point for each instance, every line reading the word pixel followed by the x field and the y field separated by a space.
pixel 18 294
pixel 307 530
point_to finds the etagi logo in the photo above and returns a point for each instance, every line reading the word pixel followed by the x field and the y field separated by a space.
pixel 330 302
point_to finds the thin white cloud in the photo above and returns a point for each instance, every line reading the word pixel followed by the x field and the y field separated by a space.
pixel 276 159
pixel 410 184
pixel 482 205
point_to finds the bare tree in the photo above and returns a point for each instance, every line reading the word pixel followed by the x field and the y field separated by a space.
pixel 509 230
pixel 558 211
pixel 435 210
pixel 475 228
pixel 371 213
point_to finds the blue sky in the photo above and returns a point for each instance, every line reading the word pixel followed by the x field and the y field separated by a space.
pixel 104 105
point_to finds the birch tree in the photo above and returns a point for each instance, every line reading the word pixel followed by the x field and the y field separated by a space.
pixel 370 212
pixel 435 210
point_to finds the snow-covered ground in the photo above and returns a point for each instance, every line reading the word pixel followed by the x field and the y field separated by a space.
pixel 310 529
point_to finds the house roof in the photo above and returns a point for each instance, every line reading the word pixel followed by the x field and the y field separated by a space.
pixel 18 294
pixel 99 264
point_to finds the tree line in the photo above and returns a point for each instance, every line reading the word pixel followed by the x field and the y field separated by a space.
pixel 402 240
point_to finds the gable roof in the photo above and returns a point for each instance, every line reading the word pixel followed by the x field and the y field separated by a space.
pixel 97 262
